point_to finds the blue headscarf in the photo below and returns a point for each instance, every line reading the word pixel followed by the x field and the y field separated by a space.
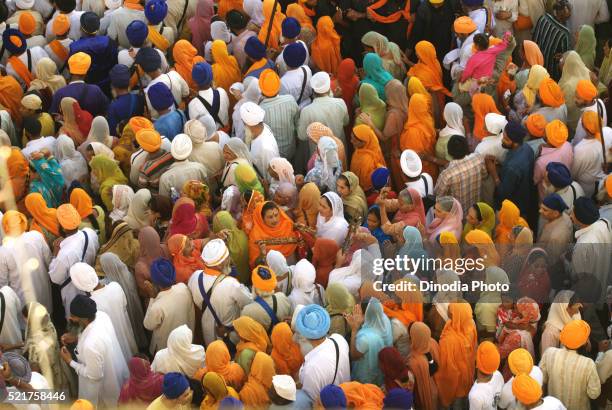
pixel 375 74
pixel 378 232
pixel 174 385
pixel 398 399
pixel 51 182
pixel 413 242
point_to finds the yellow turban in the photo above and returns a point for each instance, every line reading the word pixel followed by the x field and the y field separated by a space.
pixel 464 25
pixel 149 140
pixel 68 217
pixel 585 90
pixel 269 83
pixel 478 237
pixel 61 24
pixel 82 404
pixel 520 361
pixel 263 278
pixel 575 334
pixel 590 122
pixel 27 23
pixel 551 94
pixel 536 123
pixel 447 237
pixel 139 123
pixel 556 133
pixel 526 389
pixel 14 223
pixel 487 358
pixel 79 63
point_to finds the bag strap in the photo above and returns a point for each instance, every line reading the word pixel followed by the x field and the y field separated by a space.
pixel 270 311
pixel 573 192
pixel 29 53
pixel 337 358
pixel 2 311
pixel 303 85
pixel 69 279
pixel 176 105
pixel 180 23
pixel 426 185
pixel 210 108
pixel 207 295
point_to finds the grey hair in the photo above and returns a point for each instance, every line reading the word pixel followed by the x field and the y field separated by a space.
pixel 404 196
pixel 446 203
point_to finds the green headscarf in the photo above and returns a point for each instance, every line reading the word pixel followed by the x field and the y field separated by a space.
pixel 356 199
pixel 237 243
pixel 108 173
pixel 487 224
pixel 246 179
pixel 370 103
pixel 339 300
pixel 585 45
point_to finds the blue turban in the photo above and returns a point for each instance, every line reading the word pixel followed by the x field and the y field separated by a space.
pixel 137 33
pixel 90 22
pixel 558 174
pixel 290 27
pixel 163 273
pixel 202 74
pixel 14 41
pixel 380 177
pixel 515 131
pixel 120 76
pixel 586 210
pixel 398 399
pixel 294 55
pixel 333 397
pixel 174 385
pixel 554 202
pixel 156 11
pixel 313 322
pixel 230 403
pixel 83 306
pixel 255 48
pixel 160 96
pixel 149 59
pixel 473 3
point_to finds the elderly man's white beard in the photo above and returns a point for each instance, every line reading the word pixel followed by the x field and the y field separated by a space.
pixel 305 346
pixel 248 136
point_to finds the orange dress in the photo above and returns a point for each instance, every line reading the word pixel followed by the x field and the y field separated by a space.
pixel 419 133
pixel 366 159
pixel 284 229
pixel 326 47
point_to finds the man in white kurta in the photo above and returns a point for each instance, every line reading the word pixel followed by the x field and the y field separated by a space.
pixel 586 167
pixel 262 142
pixel 182 170
pixel 99 362
pixel 10 334
pixel 121 18
pixel 228 297
pixel 109 299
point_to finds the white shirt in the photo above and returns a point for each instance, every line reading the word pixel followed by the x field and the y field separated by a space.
pixel 124 57
pixel 99 363
pixel 580 131
pixel 586 167
pixel 462 56
pixel 479 17
pixel 75 26
pixel 485 396
pixel 291 84
pixel 419 185
pixel 175 83
pixel 9 274
pixel 36 53
pixel 567 194
pixel 492 145
pixel 111 300
pixel 11 330
pixel 319 365
pixel 591 253
pixel 71 251
pixel 263 149
pixel 550 403
pixel 121 18
pixel 197 109
pixel 38 144
pixel 228 298
pixel 588 12
pixel 179 173
pixel 507 400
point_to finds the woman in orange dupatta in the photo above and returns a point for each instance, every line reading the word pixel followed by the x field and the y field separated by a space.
pixel 253 339
pixel 218 360
pixel 185 56
pixel 247 214
pixel 269 221
pixel 458 344
pixel 419 133
pixel 482 104
pixel 363 396
pixel 225 68
pixel 185 256
pixel 509 217
pixel 485 246
pixel 276 31
pixel 410 306
pixel 297 12
pixel 227 5
pixel 326 47
pixel 11 94
pixel 285 352
pixel 367 155
pixel 19 171
pixel 44 219
pixel 423 349
pixel 254 394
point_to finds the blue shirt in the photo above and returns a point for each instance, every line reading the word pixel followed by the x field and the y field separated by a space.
pixel 517 179
pixel 170 124
pixel 123 108
pixel 90 98
pixel 103 52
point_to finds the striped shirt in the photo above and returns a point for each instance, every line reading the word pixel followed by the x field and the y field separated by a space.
pixel 282 114
pixel 553 38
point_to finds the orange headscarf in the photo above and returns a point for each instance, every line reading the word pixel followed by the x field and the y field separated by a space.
pixel 326 47
pixel 285 352
pixel 252 335
pixel 486 248
pixel 260 230
pixel 509 217
pixel 185 56
pixel 10 96
pixel 14 223
pixel 18 170
pixel 363 396
pixel 533 55
pixel 421 343
pixel 419 133
pixel 275 33
pixel 218 360
pixel 297 12
pixel 254 394
pixel 457 354
pixel 428 69
pixel 367 158
pixel 482 104
pixel 410 308
pixel 185 265
pixel 227 5
pixel 42 216
pixel 225 68
pixel 82 202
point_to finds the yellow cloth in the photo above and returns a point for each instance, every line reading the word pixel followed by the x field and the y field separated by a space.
pixel 536 124
pixel 276 31
pixel 149 140
pixel 27 23
pixel 68 217
pixel 267 285
pixel 526 389
pixel 269 83
pixel 556 133
pixel 520 361
pixel 367 158
pixel 79 63
pixel 464 25
pixel 585 90
pixel 225 68
pixel 575 334
pixel 61 24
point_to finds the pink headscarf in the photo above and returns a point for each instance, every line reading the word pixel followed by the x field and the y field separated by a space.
pixel 416 215
pixel 200 24
pixel 143 385
pixel 452 222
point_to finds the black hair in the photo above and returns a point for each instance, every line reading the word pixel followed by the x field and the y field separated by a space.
pixel 345 180
pixel 65 6
pixel 587 288
pixel 478 213
pixel 376 211
pixel 481 41
pixel 328 202
pixel 561 5
pixel 161 205
pixel 268 206
pixel 236 20
pixel 458 147
pixel 3 11
pixel 31 125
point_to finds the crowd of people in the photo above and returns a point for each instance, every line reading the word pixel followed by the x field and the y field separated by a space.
pixel 398 204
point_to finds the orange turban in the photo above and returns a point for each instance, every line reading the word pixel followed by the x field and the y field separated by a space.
pixel 575 334
pixel 520 361
pixel 82 202
pixel 68 217
pixel 269 83
pixel 585 90
pixel 14 223
pixel 79 63
pixel 263 278
pixel 27 23
pixel 551 94
pixel 487 358
pixel 149 140
pixel 590 122
pixel 609 185
pixel 139 123
pixel 61 24
pixel 526 389
pixel 82 404
pixel 556 133
pixel 536 124
pixel 464 25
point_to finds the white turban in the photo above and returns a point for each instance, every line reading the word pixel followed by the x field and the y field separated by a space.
pixel 181 147
pixel 251 113
pixel 196 131
pixel 214 252
pixel 320 82
pixel 112 4
pixel 84 277
pixel 24 4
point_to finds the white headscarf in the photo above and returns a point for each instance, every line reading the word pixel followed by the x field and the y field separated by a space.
pixel 181 355
pixel 254 8
pixel 336 227
pixel 304 289
pixel 284 169
pixel 72 163
pixel 453 115
pixel 328 151
pixel 495 123
pixel 442 299
pixel 137 211
pixel 99 132
pixel 558 316
pixel 240 149
pixel 101 149
pixel 122 196
pixel 351 276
